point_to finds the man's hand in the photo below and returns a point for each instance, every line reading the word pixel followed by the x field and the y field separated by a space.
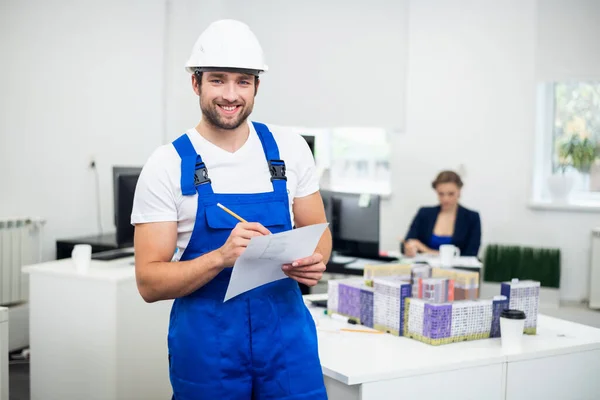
pixel 238 240
pixel 307 271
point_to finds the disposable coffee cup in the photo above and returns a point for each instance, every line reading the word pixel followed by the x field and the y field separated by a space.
pixel 81 256
pixel 512 326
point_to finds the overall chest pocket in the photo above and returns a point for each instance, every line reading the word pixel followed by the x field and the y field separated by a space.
pixel 273 215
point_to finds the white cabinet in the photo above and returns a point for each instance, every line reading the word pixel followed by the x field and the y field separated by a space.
pixel 3 353
pixel 93 337
pixel 595 270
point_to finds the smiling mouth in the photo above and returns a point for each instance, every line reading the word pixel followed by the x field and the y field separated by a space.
pixel 229 109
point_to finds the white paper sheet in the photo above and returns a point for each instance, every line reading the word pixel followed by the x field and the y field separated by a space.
pixel 435 261
pixel 262 260
pixel 462 261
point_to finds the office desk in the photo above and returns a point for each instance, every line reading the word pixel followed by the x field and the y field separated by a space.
pixel 3 353
pixel 355 266
pixel 99 243
pixel 351 265
pixel 560 362
pixel 92 335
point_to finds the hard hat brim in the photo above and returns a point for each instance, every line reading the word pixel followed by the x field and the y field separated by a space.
pixel 249 71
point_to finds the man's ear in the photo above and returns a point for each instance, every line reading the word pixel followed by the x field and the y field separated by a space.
pixel 196 84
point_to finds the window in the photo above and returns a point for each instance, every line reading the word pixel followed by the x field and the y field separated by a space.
pixel 355 160
pixel 569 136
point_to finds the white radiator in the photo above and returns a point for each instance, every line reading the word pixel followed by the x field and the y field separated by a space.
pixel 595 270
pixel 20 244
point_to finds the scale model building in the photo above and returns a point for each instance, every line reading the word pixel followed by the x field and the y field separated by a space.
pixel 432 305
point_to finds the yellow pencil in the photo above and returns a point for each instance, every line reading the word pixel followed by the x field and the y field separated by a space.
pixel 227 210
pixel 359 330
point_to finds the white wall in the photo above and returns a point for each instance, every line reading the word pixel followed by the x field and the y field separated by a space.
pixel 567 40
pixel 78 80
pixel 470 100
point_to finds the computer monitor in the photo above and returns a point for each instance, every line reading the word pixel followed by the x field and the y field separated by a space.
pixel 125 185
pixel 118 170
pixel 354 223
pixel 311 143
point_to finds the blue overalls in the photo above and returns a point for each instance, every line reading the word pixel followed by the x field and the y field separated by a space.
pixel 261 344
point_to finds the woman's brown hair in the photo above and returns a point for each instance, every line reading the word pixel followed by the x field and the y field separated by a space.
pixel 447 177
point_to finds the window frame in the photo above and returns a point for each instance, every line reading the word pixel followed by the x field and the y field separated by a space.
pixel 324 148
pixel 544 155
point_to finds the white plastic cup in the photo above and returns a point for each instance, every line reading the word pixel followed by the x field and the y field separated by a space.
pixel 82 256
pixel 447 254
pixel 512 326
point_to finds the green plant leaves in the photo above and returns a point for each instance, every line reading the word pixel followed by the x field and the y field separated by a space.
pixel 578 152
pixel 502 263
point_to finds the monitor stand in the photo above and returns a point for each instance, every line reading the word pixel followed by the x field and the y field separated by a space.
pixel 353 255
pixel 112 255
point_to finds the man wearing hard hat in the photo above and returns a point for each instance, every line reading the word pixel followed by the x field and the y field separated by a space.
pixel 261 344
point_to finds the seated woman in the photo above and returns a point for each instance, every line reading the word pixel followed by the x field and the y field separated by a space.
pixel 447 223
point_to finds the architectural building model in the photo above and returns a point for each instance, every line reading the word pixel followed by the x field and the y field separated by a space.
pixel 432 305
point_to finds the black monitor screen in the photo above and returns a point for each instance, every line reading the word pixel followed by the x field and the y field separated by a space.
pixel 118 170
pixel 311 143
pixel 126 184
pixel 354 222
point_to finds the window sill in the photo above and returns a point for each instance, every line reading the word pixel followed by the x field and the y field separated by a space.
pixel 576 206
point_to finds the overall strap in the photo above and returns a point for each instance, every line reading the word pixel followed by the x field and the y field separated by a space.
pixel 276 165
pixel 194 174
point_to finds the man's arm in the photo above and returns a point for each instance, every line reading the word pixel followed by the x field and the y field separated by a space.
pixel 160 279
pixel 309 210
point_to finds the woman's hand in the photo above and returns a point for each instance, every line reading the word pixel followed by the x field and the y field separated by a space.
pixel 414 246
pixel 410 248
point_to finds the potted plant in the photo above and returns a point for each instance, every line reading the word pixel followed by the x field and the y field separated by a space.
pixel 560 183
pixel 579 152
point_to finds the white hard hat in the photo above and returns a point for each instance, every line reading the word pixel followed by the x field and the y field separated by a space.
pixel 227 44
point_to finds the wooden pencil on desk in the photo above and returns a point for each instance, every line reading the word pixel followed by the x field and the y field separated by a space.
pixel 360 330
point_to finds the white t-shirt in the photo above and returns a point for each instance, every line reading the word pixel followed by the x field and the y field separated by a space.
pixel 158 196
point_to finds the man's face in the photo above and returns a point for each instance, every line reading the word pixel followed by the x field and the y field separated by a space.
pixel 226 98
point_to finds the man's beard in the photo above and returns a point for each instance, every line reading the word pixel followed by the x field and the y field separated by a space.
pixel 214 118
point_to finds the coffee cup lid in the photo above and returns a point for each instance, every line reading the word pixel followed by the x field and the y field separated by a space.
pixel 512 314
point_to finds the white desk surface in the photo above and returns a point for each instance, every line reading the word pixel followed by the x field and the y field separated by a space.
pixel 354 358
pixel 360 263
pixel 113 270
pixel 556 336
pixel 3 314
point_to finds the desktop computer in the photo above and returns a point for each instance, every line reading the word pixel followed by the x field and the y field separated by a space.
pixel 124 184
pixel 310 140
pixel 118 171
pixel 354 224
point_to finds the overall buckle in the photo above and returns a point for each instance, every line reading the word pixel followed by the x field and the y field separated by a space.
pixel 277 170
pixel 201 174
